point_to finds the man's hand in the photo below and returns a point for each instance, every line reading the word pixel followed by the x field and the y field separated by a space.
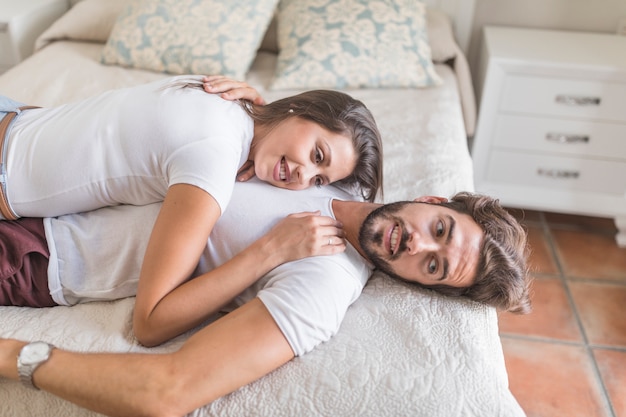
pixel 231 90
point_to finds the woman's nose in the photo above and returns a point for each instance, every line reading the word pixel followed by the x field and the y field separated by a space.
pixel 306 175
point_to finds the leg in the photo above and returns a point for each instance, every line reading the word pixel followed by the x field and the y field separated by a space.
pixel 24 264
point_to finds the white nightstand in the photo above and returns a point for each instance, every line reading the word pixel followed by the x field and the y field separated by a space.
pixel 21 22
pixel 551 132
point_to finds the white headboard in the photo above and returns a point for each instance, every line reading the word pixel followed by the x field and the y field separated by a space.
pixel 461 12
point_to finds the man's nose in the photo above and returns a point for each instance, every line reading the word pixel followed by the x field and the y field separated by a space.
pixel 418 243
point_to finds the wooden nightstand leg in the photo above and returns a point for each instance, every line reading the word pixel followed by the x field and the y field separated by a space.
pixel 620 238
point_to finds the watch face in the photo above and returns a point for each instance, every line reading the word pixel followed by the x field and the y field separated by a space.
pixel 34 353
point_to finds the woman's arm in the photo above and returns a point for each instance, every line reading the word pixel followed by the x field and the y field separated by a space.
pixel 229 353
pixel 168 304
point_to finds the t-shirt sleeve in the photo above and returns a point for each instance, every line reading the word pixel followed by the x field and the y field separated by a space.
pixel 309 298
pixel 209 165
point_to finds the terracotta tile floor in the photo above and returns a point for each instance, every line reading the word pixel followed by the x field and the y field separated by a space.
pixel 568 357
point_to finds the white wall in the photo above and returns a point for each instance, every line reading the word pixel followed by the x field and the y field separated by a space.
pixel 582 15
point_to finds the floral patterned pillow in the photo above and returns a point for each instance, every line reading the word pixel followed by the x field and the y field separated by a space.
pixel 189 36
pixel 353 43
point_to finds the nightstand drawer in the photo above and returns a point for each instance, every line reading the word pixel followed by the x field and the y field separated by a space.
pixel 561 136
pixel 557 172
pixel 564 97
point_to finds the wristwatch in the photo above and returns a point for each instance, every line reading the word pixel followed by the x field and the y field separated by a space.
pixel 31 356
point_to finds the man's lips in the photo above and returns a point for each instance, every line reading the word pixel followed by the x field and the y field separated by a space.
pixel 394 239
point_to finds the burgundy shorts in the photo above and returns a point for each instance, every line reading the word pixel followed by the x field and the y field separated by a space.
pixel 24 264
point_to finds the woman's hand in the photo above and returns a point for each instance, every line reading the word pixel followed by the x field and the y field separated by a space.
pixel 246 171
pixel 232 90
pixel 305 234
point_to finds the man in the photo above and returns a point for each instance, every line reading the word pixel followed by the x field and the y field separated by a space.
pixel 287 313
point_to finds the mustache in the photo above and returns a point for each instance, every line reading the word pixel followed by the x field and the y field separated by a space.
pixel 370 237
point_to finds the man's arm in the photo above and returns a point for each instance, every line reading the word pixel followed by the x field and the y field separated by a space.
pixel 229 353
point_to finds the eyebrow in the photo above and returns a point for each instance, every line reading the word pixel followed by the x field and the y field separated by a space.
pixel 328 152
pixel 446 264
pixel 328 157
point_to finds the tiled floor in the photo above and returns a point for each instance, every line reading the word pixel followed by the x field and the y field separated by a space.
pixel 568 357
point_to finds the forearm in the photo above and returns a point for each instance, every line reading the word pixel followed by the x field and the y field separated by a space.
pixel 234 351
pixel 190 304
pixel 112 384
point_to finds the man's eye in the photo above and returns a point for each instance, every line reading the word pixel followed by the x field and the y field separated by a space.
pixel 432 266
pixel 440 229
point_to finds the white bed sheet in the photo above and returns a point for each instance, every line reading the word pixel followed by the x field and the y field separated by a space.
pixel 400 351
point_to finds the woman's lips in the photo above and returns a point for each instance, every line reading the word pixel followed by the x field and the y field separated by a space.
pixel 281 171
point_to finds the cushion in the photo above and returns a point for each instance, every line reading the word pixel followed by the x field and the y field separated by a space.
pixel 353 44
pixel 189 36
pixel 443 46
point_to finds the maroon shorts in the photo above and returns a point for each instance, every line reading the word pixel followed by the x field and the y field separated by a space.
pixel 24 264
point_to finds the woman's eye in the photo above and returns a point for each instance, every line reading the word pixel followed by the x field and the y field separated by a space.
pixel 432 266
pixel 318 156
pixel 440 229
pixel 319 181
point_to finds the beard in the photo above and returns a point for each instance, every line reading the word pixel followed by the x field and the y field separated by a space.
pixel 371 236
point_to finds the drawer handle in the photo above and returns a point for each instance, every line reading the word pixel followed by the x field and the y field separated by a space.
pixel 565 138
pixel 577 100
pixel 558 173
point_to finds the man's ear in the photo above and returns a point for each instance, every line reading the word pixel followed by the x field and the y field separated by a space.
pixel 430 199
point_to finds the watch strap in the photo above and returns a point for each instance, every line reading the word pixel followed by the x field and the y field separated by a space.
pixel 26 371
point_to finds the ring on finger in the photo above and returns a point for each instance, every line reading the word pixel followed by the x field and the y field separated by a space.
pixel 330 240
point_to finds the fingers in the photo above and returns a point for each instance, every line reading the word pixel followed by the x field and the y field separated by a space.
pixel 246 171
pixel 321 220
pixel 332 245
pixel 230 89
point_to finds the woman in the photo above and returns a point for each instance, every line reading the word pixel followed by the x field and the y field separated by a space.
pixel 154 143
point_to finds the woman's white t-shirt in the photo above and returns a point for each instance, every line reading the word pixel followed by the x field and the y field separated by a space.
pixel 125 146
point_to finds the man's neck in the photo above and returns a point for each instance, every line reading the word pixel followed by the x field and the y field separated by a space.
pixel 352 214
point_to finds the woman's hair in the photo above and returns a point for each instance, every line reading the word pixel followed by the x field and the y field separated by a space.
pixel 334 111
pixel 341 114
pixel 503 279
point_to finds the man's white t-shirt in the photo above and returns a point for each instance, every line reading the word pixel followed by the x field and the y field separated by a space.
pixel 125 146
pixel 98 255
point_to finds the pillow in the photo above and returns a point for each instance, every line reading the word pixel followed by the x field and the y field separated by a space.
pixel 353 43
pixel 443 46
pixel 88 20
pixel 189 36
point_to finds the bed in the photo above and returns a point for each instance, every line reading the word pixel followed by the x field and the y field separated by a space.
pixel 400 351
